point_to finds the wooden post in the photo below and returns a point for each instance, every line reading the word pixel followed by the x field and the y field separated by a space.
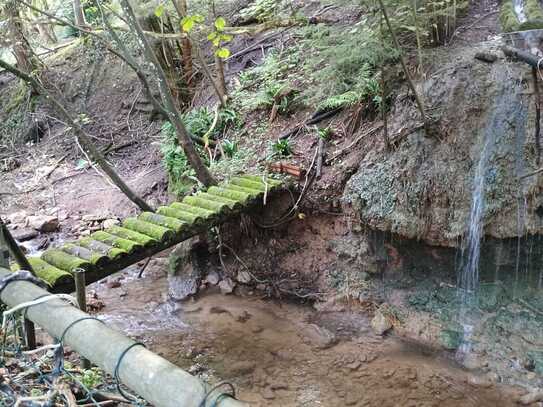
pixel 81 295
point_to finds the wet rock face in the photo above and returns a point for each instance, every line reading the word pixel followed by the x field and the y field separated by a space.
pixel 187 265
pixel 423 187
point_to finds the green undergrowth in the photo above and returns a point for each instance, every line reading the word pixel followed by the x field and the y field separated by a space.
pixel 198 122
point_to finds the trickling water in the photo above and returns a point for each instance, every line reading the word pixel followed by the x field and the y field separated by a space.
pixel 519 10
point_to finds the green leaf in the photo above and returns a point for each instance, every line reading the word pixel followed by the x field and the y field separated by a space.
pixel 223 53
pixel 159 10
pixel 186 24
pixel 198 18
pixel 217 41
pixel 226 37
pixel 212 36
pixel 220 23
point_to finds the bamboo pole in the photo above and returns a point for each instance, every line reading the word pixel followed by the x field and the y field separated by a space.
pixel 155 379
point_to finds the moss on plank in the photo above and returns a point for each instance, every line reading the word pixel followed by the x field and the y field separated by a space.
pixel 156 232
pixel 162 220
pixel 65 261
pixel 251 192
pixel 214 206
pixel 96 258
pixel 116 241
pixel 248 184
pixel 230 203
pixel 132 235
pixel 183 216
pixel 229 194
pixel 101 247
pixel 201 212
pixel 260 179
pixel 48 273
pixel 508 17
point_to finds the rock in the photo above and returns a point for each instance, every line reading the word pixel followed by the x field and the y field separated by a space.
pixel 242 368
pixel 319 337
pixel 354 365
pixel 17 217
pixel 278 385
pixel 114 284
pixel 22 235
pixel 212 278
pixel 244 277
pixel 94 217
pixel 227 286
pixel 43 223
pixel 268 393
pixel 532 397
pixel 450 339
pixel 486 57
pixel 85 233
pixel 109 223
pixel 380 324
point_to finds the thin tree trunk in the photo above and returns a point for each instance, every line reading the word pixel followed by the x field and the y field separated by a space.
pixel 186 46
pixel 418 98
pixel 26 60
pixel 14 249
pixel 174 115
pixel 82 137
pixel 79 15
pixel 219 64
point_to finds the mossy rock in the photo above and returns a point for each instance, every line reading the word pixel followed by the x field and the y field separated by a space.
pixel 534 12
pixel 65 261
pixel 536 357
pixel 48 273
pixel 451 339
pixel 491 296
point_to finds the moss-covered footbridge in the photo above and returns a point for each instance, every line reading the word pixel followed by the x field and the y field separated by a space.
pixel 108 251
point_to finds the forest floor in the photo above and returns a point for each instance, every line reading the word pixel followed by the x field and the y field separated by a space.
pixel 308 357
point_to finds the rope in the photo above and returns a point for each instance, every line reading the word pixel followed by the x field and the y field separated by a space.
pixel 21 275
pixel 128 397
pixel 220 396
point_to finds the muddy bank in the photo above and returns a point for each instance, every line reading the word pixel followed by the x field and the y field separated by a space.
pixel 282 354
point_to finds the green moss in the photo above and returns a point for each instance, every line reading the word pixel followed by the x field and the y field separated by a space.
pixel 183 216
pixel 157 232
pixel 534 13
pixel 248 184
pixel 101 247
pixel 65 261
pixel 50 274
pixel 96 258
pixel 132 235
pixel 251 192
pixel 204 203
pixel 116 241
pixel 161 220
pixel 260 179
pixel 508 17
pixel 229 194
pixel 201 212
pixel 228 202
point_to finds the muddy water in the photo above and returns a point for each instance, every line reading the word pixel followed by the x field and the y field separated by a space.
pixel 279 354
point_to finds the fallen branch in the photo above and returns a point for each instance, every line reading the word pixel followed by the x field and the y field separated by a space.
pixel 314 119
pixel 355 142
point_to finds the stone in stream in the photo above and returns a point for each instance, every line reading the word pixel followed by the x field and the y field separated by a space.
pixel 227 286
pixel 212 278
pixel 186 268
pixel 17 217
pixel 22 235
pixel 43 223
pixel 244 277
pixel 380 324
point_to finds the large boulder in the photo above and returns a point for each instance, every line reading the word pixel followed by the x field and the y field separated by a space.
pixel 43 223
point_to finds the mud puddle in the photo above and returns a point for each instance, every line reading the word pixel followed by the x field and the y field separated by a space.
pixel 279 354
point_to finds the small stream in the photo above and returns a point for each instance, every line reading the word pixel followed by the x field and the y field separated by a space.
pixel 284 354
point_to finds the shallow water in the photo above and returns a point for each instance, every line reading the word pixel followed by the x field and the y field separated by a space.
pixel 281 354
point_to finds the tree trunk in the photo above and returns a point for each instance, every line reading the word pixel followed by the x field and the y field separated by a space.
pixel 79 15
pixel 219 65
pixel 26 60
pixel 174 115
pixel 186 47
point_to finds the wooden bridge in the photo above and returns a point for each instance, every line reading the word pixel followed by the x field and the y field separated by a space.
pixel 108 251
